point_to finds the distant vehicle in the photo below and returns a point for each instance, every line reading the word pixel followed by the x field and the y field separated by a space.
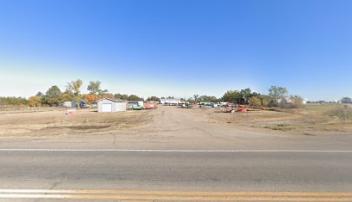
pixel 135 105
pixel 170 102
pixel 208 104
pixel 150 105
pixel 186 105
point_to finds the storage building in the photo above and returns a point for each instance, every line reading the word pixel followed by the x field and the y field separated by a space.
pixel 110 105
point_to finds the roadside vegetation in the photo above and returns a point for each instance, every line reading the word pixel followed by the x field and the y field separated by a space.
pixel 342 112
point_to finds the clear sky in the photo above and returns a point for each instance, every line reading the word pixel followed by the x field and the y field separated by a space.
pixel 177 47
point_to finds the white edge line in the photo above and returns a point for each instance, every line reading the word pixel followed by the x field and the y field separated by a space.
pixel 175 151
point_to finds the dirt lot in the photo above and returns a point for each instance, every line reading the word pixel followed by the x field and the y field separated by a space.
pixel 174 128
pixel 311 120
pixel 51 122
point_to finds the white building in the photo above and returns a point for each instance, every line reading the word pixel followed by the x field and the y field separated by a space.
pixel 67 104
pixel 170 101
pixel 110 105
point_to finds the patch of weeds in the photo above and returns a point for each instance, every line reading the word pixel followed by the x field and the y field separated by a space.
pixel 88 127
pixel 341 112
pixel 81 127
pixel 280 127
pixel 309 134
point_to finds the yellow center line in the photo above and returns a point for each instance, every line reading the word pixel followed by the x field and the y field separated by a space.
pixel 128 195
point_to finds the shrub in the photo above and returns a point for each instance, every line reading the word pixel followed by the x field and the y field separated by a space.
pixel 34 101
pixel 255 101
pixel 341 112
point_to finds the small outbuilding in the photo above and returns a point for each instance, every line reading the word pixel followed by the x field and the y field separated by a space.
pixel 67 104
pixel 110 105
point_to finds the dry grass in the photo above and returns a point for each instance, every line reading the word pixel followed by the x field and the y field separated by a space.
pixel 310 120
pixel 59 122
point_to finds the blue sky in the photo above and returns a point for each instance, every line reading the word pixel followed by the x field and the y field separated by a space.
pixel 177 47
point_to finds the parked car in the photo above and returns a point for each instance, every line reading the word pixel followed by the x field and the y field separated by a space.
pixel 135 105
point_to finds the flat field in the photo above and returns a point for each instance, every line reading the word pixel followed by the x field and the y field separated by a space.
pixel 310 120
pixel 46 121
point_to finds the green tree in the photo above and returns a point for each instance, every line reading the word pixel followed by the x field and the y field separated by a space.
pixel 67 96
pixel 13 101
pixel 53 96
pixel 265 100
pixel 121 96
pixel 232 96
pixel 75 87
pixel 134 98
pixel 278 94
pixel 255 101
pixel 94 87
pixel 153 98
pixel 245 95
pixel 206 98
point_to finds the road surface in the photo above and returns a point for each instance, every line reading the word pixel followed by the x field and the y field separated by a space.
pixel 169 171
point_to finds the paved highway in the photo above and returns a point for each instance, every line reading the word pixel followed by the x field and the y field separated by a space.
pixel 176 170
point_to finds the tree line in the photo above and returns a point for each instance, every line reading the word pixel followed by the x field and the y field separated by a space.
pixel 277 97
pixel 54 96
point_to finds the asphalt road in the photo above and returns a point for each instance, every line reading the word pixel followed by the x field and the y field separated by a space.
pixel 182 170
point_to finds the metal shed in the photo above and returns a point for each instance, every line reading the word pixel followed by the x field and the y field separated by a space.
pixel 110 105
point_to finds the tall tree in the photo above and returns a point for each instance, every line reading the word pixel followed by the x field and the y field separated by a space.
pixel 94 87
pixel 277 92
pixel 232 96
pixel 245 95
pixel 255 101
pixel 278 96
pixel 75 87
pixel 195 97
pixel 53 96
